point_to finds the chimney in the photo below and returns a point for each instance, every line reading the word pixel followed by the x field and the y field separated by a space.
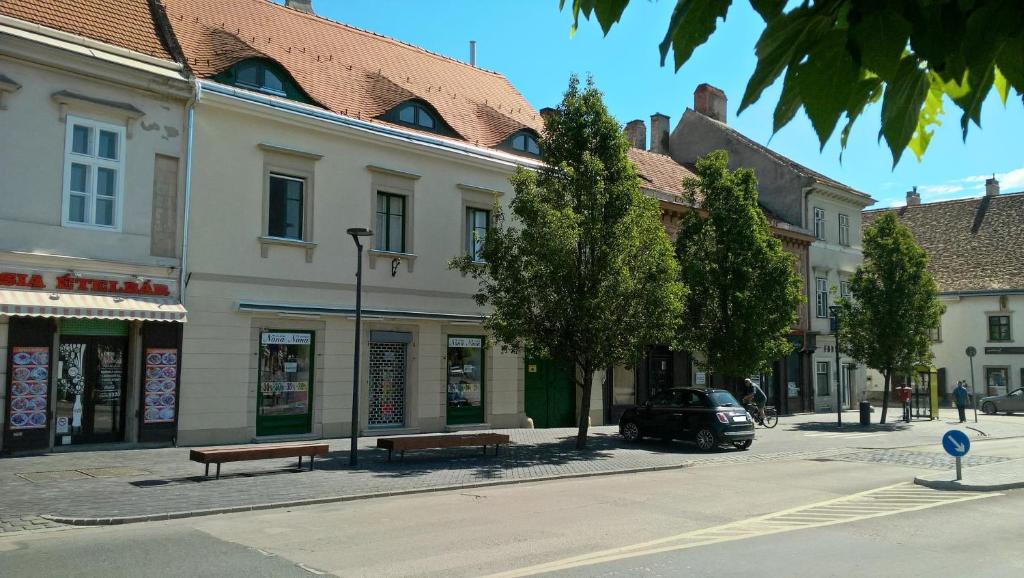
pixel 913 198
pixel 547 112
pixel 710 102
pixel 300 5
pixel 472 52
pixel 991 187
pixel 636 132
pixel 659 133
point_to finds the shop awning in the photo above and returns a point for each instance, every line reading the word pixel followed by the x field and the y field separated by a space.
pixel 60 304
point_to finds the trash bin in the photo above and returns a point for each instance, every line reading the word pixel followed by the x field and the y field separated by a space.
pixel 865 413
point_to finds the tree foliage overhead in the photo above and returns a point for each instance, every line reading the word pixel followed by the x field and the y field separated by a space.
pixel 744 292
pixel 838 56
pixel 582 272
pixel 893 304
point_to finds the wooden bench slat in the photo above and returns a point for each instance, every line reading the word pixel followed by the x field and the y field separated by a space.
pixel 441 441
pixel 216 455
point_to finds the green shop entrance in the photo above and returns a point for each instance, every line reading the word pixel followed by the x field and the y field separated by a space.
pixel 550 394
pixel 284 397
pixel 466 383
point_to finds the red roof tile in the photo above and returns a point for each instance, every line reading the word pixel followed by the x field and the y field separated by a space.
pixel 348 70
pixel 124 23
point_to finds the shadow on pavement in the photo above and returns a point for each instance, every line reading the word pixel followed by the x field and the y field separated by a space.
pixel 848 427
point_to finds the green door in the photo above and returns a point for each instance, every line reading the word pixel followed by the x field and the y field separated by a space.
pixel 550 394
pixel 285 394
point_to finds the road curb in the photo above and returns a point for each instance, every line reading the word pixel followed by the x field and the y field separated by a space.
pixel 119 520
pixel 960 485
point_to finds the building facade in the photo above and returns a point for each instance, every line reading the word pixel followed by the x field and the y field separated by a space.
pixel 974 251
pixel 810 201
pixel 297 141
pixel 92 151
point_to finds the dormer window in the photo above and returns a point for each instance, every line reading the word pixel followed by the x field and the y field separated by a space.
pixel 263 76
pixel 524 141
pixel 418 115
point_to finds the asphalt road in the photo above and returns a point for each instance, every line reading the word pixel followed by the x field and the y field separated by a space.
pixel 505 529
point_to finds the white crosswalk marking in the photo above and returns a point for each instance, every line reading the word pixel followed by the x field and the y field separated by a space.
pixel 846 435
pixel 885 501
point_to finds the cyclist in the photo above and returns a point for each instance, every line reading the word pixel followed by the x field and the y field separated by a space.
pixel 756 395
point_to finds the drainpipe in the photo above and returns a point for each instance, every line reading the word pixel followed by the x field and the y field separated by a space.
pixel 197 90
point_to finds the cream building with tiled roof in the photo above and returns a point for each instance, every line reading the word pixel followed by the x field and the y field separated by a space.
pixel 976 253
pixel 93 148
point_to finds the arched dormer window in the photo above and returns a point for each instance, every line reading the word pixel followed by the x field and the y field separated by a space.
pixel 264 76
pixel 418 115
pixel 524 141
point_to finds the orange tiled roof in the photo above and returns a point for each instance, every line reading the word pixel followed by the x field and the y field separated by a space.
pixel 347 70
pixel 124 23
pixel 659 172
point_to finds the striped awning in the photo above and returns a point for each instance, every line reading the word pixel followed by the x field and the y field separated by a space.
pixel 59 304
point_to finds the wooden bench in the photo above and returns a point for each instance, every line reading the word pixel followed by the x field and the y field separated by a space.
pixel 261 452
pixel 442 441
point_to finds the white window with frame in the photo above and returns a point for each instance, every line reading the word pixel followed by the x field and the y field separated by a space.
pixel 819 223
pixel 844 230
pixel 823 378
pixel 477 222
pixel 821 297
pixel 93 174
pixel 844 289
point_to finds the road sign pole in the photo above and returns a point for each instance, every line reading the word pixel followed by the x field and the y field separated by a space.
pixel 959 472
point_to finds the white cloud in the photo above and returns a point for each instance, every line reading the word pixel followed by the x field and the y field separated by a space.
pixel 939 189
pixel 1012 180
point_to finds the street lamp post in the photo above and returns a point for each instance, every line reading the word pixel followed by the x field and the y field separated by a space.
pixel 356 233
pixel 834 322
pixel 971 352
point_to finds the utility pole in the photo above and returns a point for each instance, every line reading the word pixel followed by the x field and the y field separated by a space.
pixel 971 352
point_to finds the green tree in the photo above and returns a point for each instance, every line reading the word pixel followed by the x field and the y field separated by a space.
pixel 744 293
pixel 893 304
pixel 583 272
pixel 838 56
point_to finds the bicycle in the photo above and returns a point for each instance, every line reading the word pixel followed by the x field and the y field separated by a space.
pixel 771 416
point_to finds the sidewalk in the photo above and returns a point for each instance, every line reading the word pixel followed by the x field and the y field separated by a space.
pixel 110 487
pixel 988 478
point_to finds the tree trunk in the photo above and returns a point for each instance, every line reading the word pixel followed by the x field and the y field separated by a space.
pixel 885 395
pixel 584 423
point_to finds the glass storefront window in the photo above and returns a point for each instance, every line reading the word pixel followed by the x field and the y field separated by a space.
pixel 465 380
pixel 286 361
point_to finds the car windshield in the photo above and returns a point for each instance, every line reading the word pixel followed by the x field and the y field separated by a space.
pixel 723 399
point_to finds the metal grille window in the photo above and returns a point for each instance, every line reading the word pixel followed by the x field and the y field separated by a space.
pixel 823 378
pixel 387 376
pixel 477 221
pixel 844 230
pixel 819 223
pixel 999 328
pixel 821 297
pixel 93 173
pixel 390 223
pixel 286 207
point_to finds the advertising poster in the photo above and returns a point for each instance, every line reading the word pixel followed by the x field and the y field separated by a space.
pixel 30 387
pixel 161 379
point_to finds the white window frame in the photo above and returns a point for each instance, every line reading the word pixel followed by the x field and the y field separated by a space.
pixel 469 230
pixel 304 212
pixel 844 230
pixel 821 297
pixel 828 378
pixel 844 289
pixel 94 162
pixel 819 223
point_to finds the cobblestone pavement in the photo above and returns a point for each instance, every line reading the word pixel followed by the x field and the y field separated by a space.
pixel 154 482
pixel 930 460
pixel 130 483
pixel 26 524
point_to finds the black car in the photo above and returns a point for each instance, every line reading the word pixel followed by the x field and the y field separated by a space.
pixel 708 417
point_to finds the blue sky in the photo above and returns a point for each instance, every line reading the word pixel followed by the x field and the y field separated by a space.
pixel 528 41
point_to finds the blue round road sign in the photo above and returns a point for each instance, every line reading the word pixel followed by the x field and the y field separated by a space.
pixel 956 443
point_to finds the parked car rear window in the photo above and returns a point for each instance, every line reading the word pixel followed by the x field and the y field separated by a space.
pixel 723 399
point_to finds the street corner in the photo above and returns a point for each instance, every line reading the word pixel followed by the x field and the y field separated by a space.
pixel 995 477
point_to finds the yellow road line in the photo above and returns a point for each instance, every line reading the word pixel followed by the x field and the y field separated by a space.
pixel 808 516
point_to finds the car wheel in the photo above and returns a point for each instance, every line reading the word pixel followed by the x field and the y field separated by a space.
pixel 706 439
pixel 989 408
pixel 743 444
pixel 631 432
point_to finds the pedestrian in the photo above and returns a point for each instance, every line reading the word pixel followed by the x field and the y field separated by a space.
pixel 904 392
pixel 961 395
